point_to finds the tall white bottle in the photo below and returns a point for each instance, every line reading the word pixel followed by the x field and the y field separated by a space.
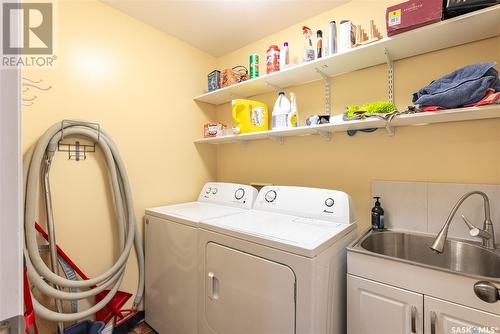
pixel 281 110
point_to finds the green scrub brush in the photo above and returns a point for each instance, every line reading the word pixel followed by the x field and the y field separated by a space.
pixel 381 107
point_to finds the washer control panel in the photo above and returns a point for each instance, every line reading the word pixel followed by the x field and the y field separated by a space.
pixel 232 194
pixel 324 204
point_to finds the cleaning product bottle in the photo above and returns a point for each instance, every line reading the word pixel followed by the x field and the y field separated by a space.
pixel 250 116
pixel 293 116
pixel 319 44
pixel 377 216
pixel 308 44
pixel 281 111
pixel 284 57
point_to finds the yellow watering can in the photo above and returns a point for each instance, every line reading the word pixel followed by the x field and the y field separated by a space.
pixel 250 116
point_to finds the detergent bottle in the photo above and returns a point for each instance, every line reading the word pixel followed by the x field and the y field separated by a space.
pixel 281 110
pixel 292 119
pixel 250 116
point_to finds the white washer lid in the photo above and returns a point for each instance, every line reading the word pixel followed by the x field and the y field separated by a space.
pixel 299 235
pixel 191 213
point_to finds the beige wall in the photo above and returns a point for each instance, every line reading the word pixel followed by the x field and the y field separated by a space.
pixel 467 152
pixel 138 83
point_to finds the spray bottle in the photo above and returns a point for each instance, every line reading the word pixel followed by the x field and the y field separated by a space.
pixel 308 44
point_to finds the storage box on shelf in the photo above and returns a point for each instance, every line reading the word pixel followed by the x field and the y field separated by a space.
pixel 463 29
pixel 326 130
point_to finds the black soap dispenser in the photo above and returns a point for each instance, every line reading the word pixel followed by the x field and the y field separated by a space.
pixel 377 216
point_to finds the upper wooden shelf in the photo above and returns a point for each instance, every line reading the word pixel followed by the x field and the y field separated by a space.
pixel 463 29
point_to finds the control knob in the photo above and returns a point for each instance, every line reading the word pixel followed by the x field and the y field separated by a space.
pixel 270 196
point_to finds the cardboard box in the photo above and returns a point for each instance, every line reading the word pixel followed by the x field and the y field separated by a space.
pixel 412 14
pixel 214 130
pixel 213 80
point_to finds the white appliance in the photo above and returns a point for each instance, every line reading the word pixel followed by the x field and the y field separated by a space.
pixel 279 268
pixel 171 254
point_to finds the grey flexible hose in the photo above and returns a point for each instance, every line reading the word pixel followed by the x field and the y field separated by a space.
pixel 39 274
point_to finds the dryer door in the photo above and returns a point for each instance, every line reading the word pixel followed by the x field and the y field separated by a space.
pixel 247 294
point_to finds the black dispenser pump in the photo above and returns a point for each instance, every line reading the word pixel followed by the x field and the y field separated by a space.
pixel 377 216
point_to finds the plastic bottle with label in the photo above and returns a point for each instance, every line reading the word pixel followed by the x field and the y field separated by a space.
pixel 293 116
pixel 308 45
pixel 284 57
pixel 281 110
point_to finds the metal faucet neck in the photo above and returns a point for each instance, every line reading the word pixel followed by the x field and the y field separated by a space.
pixel 488 242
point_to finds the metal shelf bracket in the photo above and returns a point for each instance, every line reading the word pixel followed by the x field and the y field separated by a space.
pixel 391 131
pixel 327 135
pixel 243 143
pixel 327 83
pixel 390 75
pixel 273 86
pixel 277 139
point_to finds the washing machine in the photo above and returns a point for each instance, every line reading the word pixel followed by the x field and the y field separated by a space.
pixel 171 261
pixel 278 268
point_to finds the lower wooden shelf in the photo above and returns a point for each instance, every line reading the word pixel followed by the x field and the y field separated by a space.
pixel 326 130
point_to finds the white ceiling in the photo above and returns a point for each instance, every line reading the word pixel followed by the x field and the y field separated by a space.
pixel 221 26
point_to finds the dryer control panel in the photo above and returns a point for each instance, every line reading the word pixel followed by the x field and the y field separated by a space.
pixel 324 204
pixel 232 194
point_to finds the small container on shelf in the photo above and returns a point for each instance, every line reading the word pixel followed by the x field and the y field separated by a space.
pixel 233 76
pixel 412 14
pixel 214 80
pixel 214 130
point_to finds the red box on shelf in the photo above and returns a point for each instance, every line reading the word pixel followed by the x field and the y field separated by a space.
pixel 412 14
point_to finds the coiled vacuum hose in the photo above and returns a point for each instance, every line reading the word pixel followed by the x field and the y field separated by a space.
pixel 38 159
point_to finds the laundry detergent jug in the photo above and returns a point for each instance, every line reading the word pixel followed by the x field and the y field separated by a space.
pixel 250 116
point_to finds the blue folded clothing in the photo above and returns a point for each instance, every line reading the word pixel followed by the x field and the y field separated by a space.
pixel 464 86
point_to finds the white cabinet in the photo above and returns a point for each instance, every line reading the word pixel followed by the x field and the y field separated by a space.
pixel 247 294
pixel 375 308
pixel 442 317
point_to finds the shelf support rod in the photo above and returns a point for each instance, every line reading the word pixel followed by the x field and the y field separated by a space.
pixel 327 82
pixel 273 86
pixel 390 76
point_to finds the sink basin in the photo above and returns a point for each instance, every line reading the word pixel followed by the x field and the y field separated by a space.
pixel 460 257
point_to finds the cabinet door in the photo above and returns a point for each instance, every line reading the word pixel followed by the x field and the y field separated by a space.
pixel 442 317
pixel 376 308
pixel 247 294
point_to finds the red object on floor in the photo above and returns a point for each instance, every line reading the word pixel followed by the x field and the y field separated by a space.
pixel 29 312
pixel 112 310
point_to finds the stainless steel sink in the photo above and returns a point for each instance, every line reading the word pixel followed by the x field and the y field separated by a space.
pixel 458 256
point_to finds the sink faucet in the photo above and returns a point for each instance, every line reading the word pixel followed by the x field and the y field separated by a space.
pixel 487 233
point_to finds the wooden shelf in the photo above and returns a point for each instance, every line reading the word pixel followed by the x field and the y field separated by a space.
pixel 463 29
pixel 326 130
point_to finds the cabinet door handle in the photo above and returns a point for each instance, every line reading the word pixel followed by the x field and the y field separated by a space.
pixel 414 319
pixel 433 322
pixel 213 285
